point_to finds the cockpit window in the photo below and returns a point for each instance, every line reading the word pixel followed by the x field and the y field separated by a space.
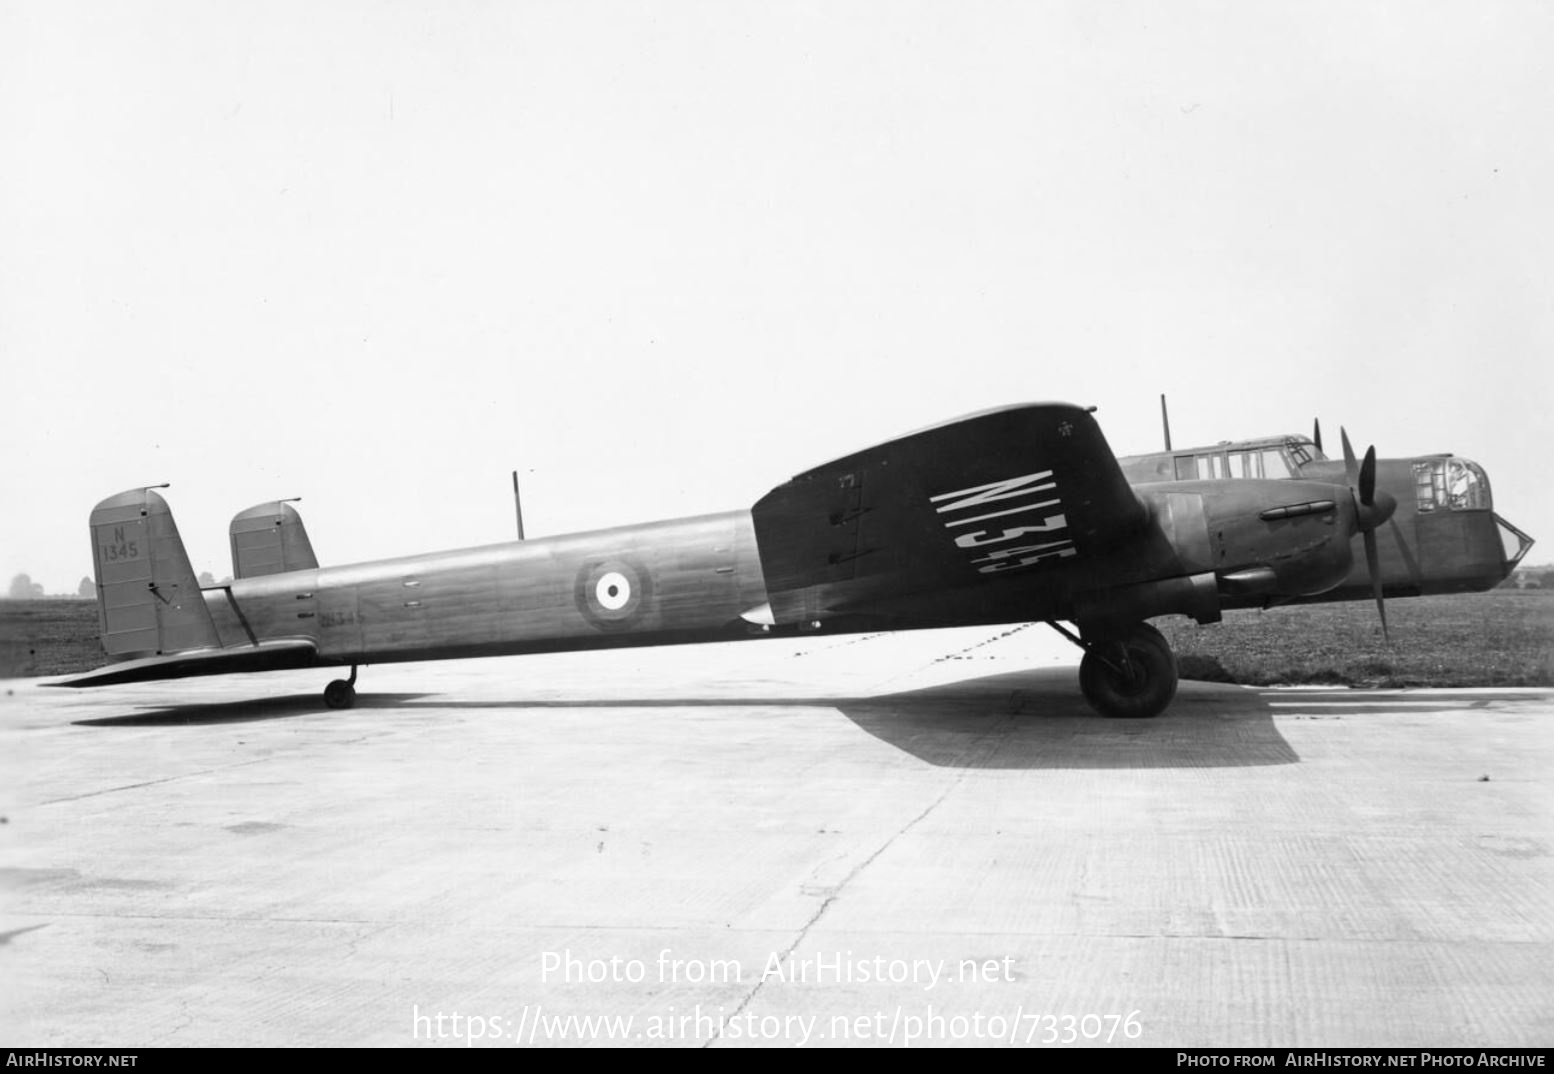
pixel 1274 464
pixel 1452 484
pixel 1303 451
pixel 1272 459
pixel 1264 462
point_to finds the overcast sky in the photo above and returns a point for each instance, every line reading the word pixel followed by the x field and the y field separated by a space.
pixel 660 257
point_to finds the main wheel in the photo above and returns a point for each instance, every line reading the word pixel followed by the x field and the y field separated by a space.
pixel 1141 678
pixel 339 694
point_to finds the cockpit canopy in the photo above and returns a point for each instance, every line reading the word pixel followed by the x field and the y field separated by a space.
pixel 1269 457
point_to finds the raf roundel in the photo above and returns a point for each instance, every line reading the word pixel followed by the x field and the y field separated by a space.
pixel 613 594
pixel 613 591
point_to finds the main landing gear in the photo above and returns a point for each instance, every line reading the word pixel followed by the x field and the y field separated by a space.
pixel 1129 672
pixel 341 694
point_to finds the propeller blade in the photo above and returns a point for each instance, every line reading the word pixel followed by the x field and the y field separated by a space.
pixel 1316 433
pixel 1370 511
pixel 1362 482
pixel 1373 565
pixel 1368 477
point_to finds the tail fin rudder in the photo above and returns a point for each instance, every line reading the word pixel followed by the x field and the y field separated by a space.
pixel 270 538
pixel 148 600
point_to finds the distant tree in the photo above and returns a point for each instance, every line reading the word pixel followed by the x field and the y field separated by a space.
pixel 24 588
pixel 86 589
pixel 207 579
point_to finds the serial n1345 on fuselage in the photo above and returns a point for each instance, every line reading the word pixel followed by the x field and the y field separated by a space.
pixel 1013 515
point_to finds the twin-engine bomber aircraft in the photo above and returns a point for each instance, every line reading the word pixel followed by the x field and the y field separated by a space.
pixel 1008 516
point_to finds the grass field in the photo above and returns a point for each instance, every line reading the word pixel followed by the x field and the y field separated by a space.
pixel 1501 638
pixel 48 637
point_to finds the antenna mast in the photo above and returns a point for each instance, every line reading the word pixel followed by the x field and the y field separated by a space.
pixel 517 505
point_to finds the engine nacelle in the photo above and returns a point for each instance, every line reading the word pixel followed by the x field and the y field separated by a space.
pixel 1274 538
pixel 1280 538
pixel 1195 595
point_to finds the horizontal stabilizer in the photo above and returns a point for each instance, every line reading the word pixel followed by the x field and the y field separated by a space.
pixel 266 656
pixel 270 539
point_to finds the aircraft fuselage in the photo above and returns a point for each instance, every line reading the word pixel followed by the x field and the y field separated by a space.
pixel 677 581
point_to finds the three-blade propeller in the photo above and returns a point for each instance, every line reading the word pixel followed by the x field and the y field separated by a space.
pixel 1371 509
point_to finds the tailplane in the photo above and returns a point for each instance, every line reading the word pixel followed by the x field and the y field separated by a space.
pixel 148 600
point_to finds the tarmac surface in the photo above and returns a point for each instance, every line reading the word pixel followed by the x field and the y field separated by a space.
pixel 907 839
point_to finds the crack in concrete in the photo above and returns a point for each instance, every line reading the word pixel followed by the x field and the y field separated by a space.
pixel 188 1020
pixel 153 782
pixel 999 728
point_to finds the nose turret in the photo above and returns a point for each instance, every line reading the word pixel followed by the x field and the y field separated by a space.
pixel 1450 483
pixel 1458 542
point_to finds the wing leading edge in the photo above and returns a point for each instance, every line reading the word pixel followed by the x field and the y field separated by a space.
pixel 1020 491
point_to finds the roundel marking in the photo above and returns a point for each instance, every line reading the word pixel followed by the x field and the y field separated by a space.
pixel 613 594
pixel 613 591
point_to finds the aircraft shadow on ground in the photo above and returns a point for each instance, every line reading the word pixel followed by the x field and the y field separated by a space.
pixel 1037 719
pixel 1020 720
pixel 1032 719
pixel 245 711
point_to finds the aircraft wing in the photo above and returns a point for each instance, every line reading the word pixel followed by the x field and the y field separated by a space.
pixel 1017 492
pixel 265 656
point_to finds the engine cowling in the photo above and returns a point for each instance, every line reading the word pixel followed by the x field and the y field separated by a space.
pixel 1279 538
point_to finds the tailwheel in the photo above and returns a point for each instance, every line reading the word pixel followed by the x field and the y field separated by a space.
pixel 341 694
pixel 1130 675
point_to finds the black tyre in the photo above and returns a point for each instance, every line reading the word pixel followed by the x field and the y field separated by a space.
pixel 339 694
pixel 1148 686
